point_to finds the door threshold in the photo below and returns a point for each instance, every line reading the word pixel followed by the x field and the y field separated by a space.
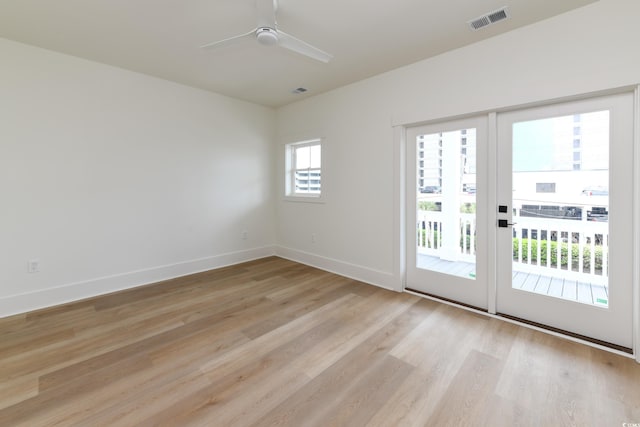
pixel 446 300
pixel 599 343
pixel 582 339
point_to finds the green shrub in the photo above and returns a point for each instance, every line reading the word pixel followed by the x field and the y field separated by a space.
pixel 564 251
pixel 428 206
pixel 468 208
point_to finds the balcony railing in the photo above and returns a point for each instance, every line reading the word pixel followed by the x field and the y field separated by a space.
pixel 569 249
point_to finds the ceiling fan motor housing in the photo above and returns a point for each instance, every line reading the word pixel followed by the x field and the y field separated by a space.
pixel 267 36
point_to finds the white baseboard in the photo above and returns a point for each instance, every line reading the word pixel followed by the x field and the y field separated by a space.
pixel 378 278
pixel 70 292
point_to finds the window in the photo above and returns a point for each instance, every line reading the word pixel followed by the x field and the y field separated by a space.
pixel 304 169
pixel 545 187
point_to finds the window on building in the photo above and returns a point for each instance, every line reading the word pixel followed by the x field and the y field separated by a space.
pixel 545 187
pixel 303 163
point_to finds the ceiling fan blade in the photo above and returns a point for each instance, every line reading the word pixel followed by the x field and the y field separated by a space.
pixel 266 13
pixel 231 40
pixel 289 42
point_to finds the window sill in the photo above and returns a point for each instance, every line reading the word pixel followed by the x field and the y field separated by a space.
pixel 304 199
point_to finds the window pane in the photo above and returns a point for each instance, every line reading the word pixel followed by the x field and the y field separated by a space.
pixel 560 237
pixel 303 155
pixel 302 181
pixel 446 202
pixel 303 173
pixel 315 156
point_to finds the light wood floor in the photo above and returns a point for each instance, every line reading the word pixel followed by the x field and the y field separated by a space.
pixel 272 342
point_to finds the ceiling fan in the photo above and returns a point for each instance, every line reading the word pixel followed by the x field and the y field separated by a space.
pixel 268 34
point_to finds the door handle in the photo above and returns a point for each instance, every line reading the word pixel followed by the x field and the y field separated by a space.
pixel 503 223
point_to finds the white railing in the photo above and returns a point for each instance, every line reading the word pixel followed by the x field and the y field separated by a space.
pixel 429 236
pixel 570 249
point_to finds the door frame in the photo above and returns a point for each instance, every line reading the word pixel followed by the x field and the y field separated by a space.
pixel 461 289
pixel 614 323
pixel 399 140
pixel 636 223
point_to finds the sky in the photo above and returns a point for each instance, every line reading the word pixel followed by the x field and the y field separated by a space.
pixel 547 144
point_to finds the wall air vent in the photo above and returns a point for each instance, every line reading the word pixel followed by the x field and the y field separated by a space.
pixel 489 18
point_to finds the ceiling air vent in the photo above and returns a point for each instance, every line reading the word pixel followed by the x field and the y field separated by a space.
pixel 489 18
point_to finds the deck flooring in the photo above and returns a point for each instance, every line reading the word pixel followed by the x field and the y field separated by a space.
pixel 573 290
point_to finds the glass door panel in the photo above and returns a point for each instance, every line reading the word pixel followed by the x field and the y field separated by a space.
pixel 560 178
pixel 445 194
pixel 564 241
pixel 444 240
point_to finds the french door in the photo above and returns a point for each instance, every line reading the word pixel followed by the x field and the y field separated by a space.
pixel 554 246
pixel 564 236
pixel 447 210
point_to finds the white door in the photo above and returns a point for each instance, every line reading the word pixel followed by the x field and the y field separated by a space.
pixel 447 211
pixel 564 235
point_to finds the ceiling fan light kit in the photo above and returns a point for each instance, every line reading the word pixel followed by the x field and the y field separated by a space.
pixel 268 34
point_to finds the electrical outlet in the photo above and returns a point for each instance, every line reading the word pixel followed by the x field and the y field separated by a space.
pixel 33 265
pixel 244 235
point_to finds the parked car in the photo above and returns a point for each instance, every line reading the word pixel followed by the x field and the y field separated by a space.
pixel 595 191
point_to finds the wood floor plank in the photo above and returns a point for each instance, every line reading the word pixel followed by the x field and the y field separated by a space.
pixel 274 342
pixel 18 390
pixel 252 375
pixel 336 383
pixel 470 391
pixel 451 333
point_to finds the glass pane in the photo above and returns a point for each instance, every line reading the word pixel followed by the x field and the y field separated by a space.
pixel 302 181
pixel 315 157
pixel 446 202
pixel 561 207
pixel 303 157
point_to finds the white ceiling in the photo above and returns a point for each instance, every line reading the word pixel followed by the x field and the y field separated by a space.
pixel 161 37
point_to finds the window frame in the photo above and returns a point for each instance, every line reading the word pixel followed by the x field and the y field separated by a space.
pixel 290 192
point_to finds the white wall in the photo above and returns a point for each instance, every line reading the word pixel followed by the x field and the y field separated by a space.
pixel 113 179
pixel 590 49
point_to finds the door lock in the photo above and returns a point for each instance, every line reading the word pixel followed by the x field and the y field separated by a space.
pixel 503 223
